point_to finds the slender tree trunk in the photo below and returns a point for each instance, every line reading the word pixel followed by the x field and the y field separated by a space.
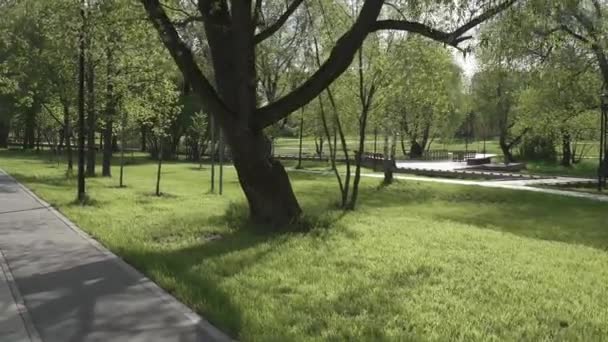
pixel 347 161
pixel 109 147
pixel 221 162
pixel 38 138
pixel 387 162
pixel 81 116
pixel 566 150
pixel 358 157
pixel 335 136
pixel 122 147
pixel 402 138
pixel 91 118
pixel 212 153
pixel 160 162
pixel 299 166
pixel 332 155
pixel 67 124
pixel 61 138
pixel 144 138
pixel 319 146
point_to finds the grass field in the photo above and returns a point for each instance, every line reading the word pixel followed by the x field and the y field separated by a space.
pixel 587 168
pixel 416 261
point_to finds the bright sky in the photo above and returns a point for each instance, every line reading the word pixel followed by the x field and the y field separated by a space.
pixel 468 64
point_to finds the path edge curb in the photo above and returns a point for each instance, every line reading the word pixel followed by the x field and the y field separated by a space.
pixel 207 328
pixel 28 323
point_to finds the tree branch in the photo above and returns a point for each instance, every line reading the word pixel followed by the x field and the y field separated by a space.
pixel 453 38
pixel 52 114
pixel 421 29
pixel 345 49
pixel 184 59
pixel 574 34
pixel 270 30
pixel 338 61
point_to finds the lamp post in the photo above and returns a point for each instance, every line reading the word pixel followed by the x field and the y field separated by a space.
pixel 603 155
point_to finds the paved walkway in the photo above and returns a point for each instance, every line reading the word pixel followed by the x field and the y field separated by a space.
pixel 74 290
pixel 12 324
pixel 524 185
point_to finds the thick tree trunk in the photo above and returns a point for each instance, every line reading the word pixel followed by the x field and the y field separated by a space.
pixel 506 149
pixel 91 119
pixel 29 136
pixel 566 150
pixel 263 179
pixel 416 149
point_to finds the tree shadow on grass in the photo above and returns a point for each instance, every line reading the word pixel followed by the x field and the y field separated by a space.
pixel 231 246
pixel 50 180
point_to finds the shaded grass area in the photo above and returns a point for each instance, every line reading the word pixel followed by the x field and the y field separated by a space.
pixel 587 168
pixel 417 261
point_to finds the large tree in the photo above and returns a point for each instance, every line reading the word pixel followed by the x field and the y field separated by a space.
pixel 232 31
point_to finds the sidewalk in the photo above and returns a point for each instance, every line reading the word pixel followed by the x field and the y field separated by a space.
pixel 75 290
pixel 524 185
pixel 12 327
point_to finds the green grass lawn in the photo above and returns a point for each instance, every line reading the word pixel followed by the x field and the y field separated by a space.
pixel 416 261
pixel 587 168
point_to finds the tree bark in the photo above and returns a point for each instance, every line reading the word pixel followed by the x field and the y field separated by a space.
pixel 506 149
pixel 107 148
pixel 29 137
pixel 4 134
pixel 263 179
pixel 416 149
pixel 319 146
pixel 144 138
pixel 81 194
pixel 566 150
pixel 387 162
pixel 212 153
pixel 299 166
pixel 67 124
pixel 160 162
pixel 91 118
